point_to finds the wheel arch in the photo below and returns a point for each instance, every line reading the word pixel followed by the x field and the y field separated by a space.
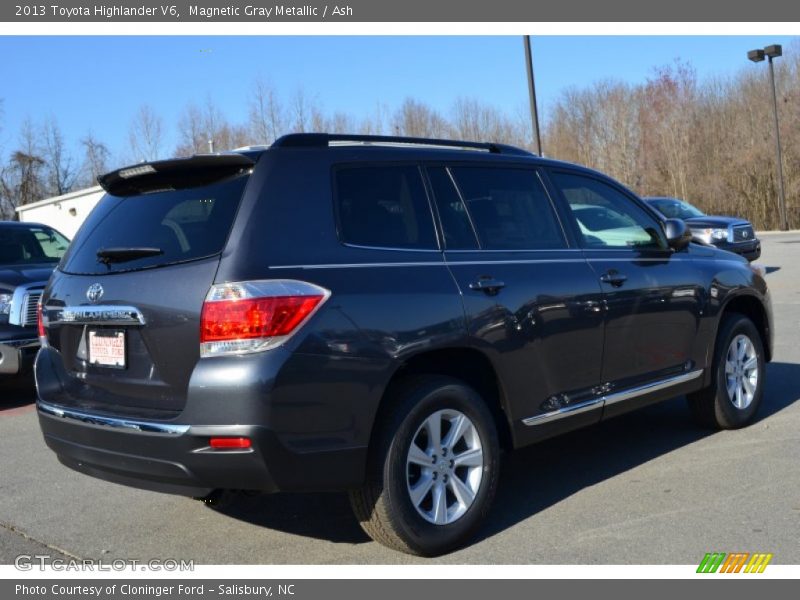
pixel 466 364
pixel 753 308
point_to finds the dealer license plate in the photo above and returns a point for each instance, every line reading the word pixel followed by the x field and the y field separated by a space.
pixel 107 348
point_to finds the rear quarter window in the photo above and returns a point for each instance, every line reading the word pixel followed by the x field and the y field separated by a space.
pixel 185 224
pixel 383 206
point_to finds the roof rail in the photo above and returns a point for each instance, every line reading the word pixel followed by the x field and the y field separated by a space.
pixel 324 140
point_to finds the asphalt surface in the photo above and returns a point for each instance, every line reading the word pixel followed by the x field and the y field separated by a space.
pixel 646 488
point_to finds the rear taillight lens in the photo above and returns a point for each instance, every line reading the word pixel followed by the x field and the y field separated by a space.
pixel 40 324
pixel 252 316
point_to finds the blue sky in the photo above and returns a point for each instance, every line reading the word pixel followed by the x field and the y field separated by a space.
pixel 97 83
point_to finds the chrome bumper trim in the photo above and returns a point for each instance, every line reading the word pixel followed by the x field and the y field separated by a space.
pixel 609 399
pixel 110 422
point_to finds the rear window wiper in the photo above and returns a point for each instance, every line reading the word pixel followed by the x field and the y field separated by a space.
pixel 119 255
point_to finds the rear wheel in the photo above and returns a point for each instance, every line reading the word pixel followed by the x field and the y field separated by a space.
pixel 434 470
pixel 737 386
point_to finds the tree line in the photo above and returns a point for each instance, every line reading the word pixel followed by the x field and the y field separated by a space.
pixel 710 142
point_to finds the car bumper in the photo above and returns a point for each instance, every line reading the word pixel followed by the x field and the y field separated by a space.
pixel 178 459
pixel 16 356
pixel 750 250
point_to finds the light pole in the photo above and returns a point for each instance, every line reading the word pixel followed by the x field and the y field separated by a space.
pixel 532 92
pixel 771 52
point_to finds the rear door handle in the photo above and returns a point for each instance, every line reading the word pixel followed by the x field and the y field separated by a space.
pixel 487 285
pixel 614 278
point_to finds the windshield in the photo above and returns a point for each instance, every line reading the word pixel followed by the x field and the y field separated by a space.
pixel 31 245
pixel 676 209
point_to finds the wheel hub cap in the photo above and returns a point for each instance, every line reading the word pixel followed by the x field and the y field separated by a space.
pixel 444 467
pixel 741 371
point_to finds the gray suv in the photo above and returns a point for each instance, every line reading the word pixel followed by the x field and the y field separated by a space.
pixel 381 316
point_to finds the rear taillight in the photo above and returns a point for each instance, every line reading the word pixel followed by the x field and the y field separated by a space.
pixel 252 316
pixel 40 324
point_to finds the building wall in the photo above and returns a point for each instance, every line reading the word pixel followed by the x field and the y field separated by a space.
pixel 65 213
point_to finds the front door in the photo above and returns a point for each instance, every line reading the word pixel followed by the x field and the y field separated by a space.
pixel 653 296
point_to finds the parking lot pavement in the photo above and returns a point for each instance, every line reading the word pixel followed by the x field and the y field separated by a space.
pixel 646 488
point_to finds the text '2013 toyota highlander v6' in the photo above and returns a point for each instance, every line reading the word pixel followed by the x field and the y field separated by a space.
pixel 378 315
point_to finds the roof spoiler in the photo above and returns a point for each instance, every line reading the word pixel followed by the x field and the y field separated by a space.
pixel 176 173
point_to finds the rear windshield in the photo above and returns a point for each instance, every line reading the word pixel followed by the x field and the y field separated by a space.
pixel 183 225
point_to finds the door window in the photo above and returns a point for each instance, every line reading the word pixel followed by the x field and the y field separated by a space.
pixel 605 217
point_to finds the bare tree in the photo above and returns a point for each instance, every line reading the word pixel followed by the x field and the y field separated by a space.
pixel 146 134
pixel 416 119
pixel 202 128
pixel 267 118
pixel 60 172
pixel 96 157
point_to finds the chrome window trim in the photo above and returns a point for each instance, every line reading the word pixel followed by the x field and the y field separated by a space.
pixel 101 314
pixel 110 422
pixel 609 399
pixel 390 248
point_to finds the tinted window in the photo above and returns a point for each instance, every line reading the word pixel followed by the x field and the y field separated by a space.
pixel 185 225
pixel 21 246
pixel 456 226
pixel 384 206
pixel 607 218
pixel 510 208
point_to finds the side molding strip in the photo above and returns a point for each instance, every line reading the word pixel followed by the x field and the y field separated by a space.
pixel 602 401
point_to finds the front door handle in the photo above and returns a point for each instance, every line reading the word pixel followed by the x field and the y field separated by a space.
pixel 614 278
pixel 487 285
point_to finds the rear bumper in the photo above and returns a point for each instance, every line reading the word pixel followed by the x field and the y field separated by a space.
pixel 16 356
pixel 177 459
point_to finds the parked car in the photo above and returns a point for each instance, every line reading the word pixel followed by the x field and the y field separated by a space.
pixel 727 233
pixel 28 254
pixel 379 315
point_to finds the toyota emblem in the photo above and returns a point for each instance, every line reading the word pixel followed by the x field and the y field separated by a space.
pixel 745 234
pixel 94 293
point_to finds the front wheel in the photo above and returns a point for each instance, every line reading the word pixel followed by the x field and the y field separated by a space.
pixel 737 386
pixel 434 469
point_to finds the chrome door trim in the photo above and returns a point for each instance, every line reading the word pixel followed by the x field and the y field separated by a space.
pixel 651 387
pixel 609 399
pixel 100 314
pixel 567 411
pixel 110 422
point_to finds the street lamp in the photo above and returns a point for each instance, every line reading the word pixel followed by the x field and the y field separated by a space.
pixel 537 138
pixel 771 52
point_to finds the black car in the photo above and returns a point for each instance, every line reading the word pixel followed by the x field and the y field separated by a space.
pixel 28 254
pixel 379 315
pixel 728 233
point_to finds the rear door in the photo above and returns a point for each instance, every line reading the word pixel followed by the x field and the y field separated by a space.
pixel 532 303
pixel 653 296
pixel 122 311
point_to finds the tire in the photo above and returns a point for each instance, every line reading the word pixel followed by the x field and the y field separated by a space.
pixel 384 505
pixel 714 406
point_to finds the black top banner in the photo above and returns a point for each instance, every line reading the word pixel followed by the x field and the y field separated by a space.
pixel 257 11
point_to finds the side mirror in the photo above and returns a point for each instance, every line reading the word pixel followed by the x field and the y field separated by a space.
pixel 678 234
